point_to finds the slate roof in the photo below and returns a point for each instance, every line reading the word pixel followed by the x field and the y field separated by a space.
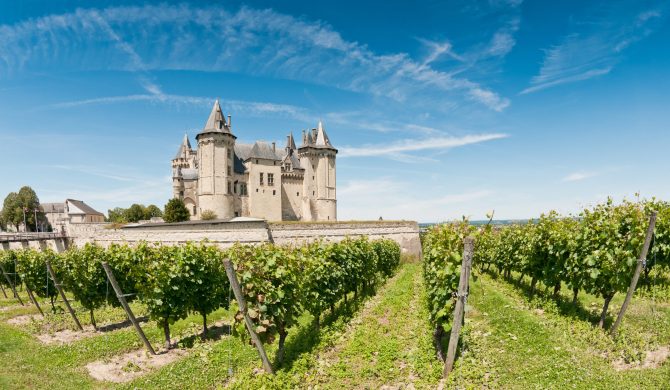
pixel 52 207
pixel 264 150
pixel 83 207
pixel 184 147
pixel 216 123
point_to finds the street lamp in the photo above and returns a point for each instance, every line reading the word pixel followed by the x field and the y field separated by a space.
pixel 36 229
pixel 25 224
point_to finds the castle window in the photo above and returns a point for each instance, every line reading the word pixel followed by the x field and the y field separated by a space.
pixel 228 150
pixel 230 188
pixel 243 189
pixel 256 189
pixel 313 193
pixel 230 171
pixel 271 179
pixel 274 192
pixel 297 194
pixel 261 181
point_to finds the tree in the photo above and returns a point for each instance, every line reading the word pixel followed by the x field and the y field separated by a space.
pixel 176 211
pixel 11 210
pixel 152 211
pixel 117 215
pixel 134 213
pixel 15 204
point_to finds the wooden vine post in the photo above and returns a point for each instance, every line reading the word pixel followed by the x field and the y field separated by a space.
pixel 122 300
pixel 232 277
pixel 34 300
pixel 457 321
pixel 62 295
pixel 9 280
pixel 640 264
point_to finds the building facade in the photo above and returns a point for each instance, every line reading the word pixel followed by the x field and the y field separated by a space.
pixel 256 180
pixel 71 211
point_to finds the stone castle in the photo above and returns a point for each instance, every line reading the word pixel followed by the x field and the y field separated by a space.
pixel 260 181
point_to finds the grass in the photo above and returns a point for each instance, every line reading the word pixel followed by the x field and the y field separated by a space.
pixel 509 341
pixel 513 342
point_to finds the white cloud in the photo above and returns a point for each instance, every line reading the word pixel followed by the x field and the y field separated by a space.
pixel 414 145
pixel 238 106
pixel 257 42
pixel 592 52
pixel 579 176
pixel 359 199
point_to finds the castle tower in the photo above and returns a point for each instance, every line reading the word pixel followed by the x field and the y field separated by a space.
pixel 216 144
pixel 317 157
pixel 182 160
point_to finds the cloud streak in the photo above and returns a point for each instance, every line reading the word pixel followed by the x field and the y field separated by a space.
pixel 256 42
pixel 413 145
pixel 593 49
pixel 239 106
pixel 579 176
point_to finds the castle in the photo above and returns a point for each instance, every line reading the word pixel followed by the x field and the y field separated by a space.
pixel 241 180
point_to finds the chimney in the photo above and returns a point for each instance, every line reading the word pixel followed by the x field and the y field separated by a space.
pixel 274 146
pixel 229 121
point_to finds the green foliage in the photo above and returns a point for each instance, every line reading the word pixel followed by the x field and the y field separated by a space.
pixel 13 209
pixel 176 211
pixel 84 277
pixel 116 215
pixel 152 211
pixel 208 215
pixel 134 213
pixel 596 252
pixel 442 258
pixel 31 267
pixel 8 261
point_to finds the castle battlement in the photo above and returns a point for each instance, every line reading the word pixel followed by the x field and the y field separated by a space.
pixel 256 180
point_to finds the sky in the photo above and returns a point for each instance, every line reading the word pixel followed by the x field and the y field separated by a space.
pixel 439 109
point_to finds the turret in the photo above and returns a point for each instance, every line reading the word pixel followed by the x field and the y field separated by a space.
pixel 184 159
pixel 317 157
pixel 216 144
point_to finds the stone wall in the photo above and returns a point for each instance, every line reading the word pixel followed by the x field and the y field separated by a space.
pixel 405 233
pixel 225 234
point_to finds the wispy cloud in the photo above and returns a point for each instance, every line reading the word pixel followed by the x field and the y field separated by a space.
pixel 238 106
pixel 579 176
pixel 594 49
pixel 257 42
pixel 414 145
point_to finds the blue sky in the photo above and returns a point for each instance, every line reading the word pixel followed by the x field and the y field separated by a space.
pixel 438 109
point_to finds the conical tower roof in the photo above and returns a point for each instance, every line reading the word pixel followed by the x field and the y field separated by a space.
pixel 321 136
pixel 184 148
pixel 290 142
pixel 216 123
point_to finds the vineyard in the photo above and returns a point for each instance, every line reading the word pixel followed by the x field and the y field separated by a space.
pixel 539 310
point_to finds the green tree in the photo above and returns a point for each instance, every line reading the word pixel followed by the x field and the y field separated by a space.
pixel 152 211
pixel 117 215
pixel 176 211
pixel 11 210
pixel 134 213
pixel 16 203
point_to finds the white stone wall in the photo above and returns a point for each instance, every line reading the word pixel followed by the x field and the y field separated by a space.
pixel 225 234
pixel 264 199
